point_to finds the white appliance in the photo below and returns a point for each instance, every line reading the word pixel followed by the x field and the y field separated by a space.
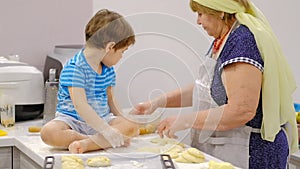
pixel 25 85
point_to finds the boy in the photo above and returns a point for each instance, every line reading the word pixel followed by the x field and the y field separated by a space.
pixel 86 117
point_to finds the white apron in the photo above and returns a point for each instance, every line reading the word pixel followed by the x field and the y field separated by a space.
pixel 231 146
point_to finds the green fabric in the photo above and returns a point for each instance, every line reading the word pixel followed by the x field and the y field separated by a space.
pixel 278 81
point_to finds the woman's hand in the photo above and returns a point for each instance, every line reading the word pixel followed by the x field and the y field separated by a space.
pixel 144 108
pixel 172 124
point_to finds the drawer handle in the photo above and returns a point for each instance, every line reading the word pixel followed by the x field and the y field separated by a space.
pixel 49 162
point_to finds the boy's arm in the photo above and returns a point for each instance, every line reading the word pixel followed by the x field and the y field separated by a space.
pixel 113 105
pixel 89 115
pixel 86 112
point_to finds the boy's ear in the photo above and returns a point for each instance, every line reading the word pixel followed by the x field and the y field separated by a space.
pixel 109 46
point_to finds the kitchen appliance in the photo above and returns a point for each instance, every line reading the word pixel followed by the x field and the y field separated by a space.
pixel 25 85
pixel 56 60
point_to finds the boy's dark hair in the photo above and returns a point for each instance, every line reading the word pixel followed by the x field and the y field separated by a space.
pixel 108 26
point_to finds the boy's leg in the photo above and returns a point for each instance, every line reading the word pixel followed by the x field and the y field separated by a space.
pixel 58 133
pixel 96 142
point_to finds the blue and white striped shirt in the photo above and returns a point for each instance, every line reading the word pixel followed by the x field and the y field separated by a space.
pixel 78 73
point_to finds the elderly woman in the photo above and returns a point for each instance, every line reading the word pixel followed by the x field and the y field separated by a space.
pixel 243 111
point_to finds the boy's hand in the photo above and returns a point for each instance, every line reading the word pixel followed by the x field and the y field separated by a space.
pixel 113 136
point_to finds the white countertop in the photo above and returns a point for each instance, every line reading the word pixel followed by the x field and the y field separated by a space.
pixel 32 145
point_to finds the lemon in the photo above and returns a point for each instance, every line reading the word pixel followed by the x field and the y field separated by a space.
pixel 3 133
pixel 298 117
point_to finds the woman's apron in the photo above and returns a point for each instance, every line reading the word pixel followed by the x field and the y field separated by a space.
pixel 232 145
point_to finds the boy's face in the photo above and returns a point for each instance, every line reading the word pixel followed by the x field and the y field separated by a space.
pixel 113 56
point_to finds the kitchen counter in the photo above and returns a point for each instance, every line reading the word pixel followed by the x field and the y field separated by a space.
pixel 32 146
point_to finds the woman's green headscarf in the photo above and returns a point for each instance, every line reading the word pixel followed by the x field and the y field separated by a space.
pixel 278 81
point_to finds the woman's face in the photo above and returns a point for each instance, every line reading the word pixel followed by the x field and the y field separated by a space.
pixel 212 24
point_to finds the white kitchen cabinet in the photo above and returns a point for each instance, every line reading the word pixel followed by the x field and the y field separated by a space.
pixel 22 161
pixel 5 157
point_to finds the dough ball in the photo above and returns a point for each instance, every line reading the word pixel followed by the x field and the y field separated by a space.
pixel 191 155
pixel 99 161
pixel 71 158
pixel 173 147
pixel 159 141
pixel 195 152
pixel 220 165
pixel 34 129
pixel 173 154
pixel 191 158
pixel 180 159
pixel 72 165
pixel 72 162
pixel 165 140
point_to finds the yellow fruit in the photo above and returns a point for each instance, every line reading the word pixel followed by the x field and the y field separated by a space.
pixel 3 133
pixel 298 117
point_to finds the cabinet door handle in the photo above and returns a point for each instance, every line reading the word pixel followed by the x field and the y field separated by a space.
pixel 49 162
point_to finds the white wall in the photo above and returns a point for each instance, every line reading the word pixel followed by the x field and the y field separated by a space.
pixel 31 28
pixel 167 51
pixel 170 55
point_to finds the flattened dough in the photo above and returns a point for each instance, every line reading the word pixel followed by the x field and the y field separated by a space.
pixel 191 155
pixel 164 141
pixel 149 149
pixel 220 165
pixel 173 154
pixel 71 162
pixel 192 158
pixel 195 152
pixel 99 161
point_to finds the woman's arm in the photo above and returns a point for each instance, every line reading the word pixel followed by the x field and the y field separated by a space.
pixel 242 82
pixel 181 97
pixel 114 107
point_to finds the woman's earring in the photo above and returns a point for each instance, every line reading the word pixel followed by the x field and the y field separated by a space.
pixel 222 16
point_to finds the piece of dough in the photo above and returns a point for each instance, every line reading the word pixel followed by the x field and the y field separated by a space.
pixel 191 158
pixel 72 162
pixel 195 152
pixel 147 129
pixel 99 161
pixel 180 159
pixel 149 149
pixel 191 155
pixel 173 147
pixel 165 140
pixel 219 165
pixel 160 141
pixel 34 129
pixel 72 158
pixel 173 154
pixel 72 165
